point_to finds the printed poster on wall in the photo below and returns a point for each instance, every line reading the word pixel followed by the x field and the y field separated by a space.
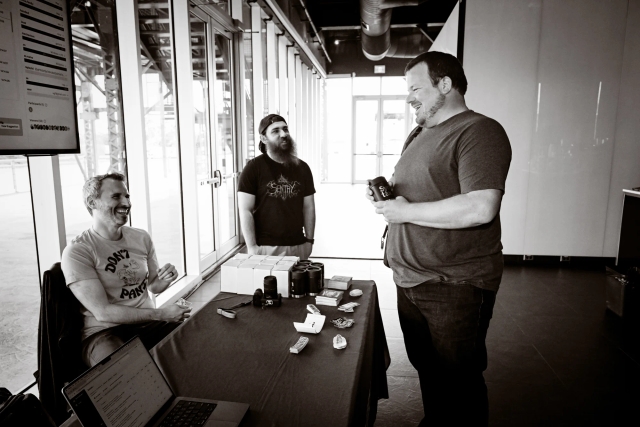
pixel 37 93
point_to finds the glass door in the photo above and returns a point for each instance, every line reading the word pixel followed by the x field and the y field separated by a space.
pixel 225 174
pixel 215 137
pixel 380 129
pixel 204 149
pixel 394 132
pixel 365 138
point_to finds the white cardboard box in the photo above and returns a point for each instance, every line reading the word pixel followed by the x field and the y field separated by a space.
pixel 289 263
pixel 275 257
pixel 241 256
pixel 260 257
pixel 229 275
pixel 268 262
pixel 290 258
pixel 282 274
pixel 259 273
pixel 244 284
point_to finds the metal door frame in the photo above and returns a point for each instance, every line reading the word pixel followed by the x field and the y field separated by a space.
pixel 214 26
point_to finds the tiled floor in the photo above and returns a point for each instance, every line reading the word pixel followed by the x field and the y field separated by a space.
pixel 556 357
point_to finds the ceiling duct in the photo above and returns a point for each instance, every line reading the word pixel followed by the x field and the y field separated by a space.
pixel 375 21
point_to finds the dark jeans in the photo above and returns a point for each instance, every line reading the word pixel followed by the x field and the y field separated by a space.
pixel 101 344
pixel 445 325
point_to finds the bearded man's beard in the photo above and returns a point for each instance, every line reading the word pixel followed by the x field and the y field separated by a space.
pixel 288 155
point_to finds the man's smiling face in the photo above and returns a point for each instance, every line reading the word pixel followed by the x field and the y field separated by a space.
pixel 425 98
pixel 113 205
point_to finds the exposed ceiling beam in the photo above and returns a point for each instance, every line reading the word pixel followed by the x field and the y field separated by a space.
pixel 357 27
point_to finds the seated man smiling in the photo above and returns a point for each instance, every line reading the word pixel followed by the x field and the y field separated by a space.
pixel 111 268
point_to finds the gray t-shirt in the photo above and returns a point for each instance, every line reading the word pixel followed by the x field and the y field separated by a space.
pixel 467 152
pixel 123 266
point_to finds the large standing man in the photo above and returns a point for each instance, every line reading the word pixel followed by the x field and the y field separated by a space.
pixel 275 196
pixel 444 239
pixel 111 268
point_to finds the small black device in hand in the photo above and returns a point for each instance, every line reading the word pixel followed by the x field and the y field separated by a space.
pixel 381 189
pixel 270 297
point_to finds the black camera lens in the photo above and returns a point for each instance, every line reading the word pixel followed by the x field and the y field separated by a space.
pixel 299 283
pixel 321 267
pixel 315 280
pixel 381 189
pixel 270 287
pixel 257 297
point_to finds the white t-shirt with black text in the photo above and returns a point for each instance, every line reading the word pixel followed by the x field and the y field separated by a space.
pixel 123 266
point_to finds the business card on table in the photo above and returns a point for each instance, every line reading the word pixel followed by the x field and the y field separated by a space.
pixel 312 324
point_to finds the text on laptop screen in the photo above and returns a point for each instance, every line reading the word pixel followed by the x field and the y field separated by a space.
pixel 126 391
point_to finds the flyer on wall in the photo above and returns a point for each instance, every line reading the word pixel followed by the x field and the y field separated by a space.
pixel 37 93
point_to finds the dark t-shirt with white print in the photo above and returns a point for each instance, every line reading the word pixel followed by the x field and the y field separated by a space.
pixel 280 191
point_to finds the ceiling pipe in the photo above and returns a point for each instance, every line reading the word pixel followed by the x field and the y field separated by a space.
pixel 375 20
pixel 407 45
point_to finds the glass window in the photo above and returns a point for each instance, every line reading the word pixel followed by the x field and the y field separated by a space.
pixel 20 284
pixel 338 139
pixel 222 5
pixel 97 76
pixel 394 86
pixel 366 86
pixel 161 133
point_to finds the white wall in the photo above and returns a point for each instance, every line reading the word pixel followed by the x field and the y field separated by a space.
pixel 447 40
pixel 555 74
pixel 625 172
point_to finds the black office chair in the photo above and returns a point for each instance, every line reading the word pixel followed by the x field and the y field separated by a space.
pixel 59 342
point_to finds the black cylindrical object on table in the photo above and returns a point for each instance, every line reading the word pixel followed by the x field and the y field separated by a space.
pixel 299 283
pixel 315 280
pixel 304 263
pixel 270 287
pixel 381 189
pixel 321 267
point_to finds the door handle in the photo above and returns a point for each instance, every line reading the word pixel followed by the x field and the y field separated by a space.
pixel 216 180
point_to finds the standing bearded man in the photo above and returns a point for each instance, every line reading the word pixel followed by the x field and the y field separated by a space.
pixel 275 196
pixel 444 239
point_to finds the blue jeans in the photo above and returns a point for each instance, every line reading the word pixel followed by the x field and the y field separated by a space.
pixel 444 326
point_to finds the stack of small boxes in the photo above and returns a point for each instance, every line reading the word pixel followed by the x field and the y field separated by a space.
pixel 244 273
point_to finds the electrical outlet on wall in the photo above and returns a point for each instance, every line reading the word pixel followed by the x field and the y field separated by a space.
pixel 527 257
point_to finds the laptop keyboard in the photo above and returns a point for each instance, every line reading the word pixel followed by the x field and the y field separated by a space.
pixel 188 413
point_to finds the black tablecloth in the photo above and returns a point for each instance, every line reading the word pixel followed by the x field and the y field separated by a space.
pixel 247 360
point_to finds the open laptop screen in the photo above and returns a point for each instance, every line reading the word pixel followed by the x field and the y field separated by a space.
pixel 125 390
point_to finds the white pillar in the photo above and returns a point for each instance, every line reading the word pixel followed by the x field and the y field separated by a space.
pixel 271 65
pixel 133 112
pixel 282 71
pixel 256 50
pixel 186 123
pixel 291 76
pixel 48 212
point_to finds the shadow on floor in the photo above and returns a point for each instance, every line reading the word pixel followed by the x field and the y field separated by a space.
pixel 557 357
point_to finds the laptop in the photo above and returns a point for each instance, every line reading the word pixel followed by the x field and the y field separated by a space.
pixel 127 389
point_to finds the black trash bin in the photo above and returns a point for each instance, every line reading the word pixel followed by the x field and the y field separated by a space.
pixel 622 291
